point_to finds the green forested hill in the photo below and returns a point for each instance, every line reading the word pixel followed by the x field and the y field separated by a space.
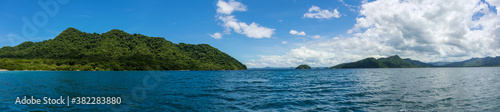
pixel 389 62
pixel 365 63
pixel 418 63
pixel 113 50
pixel 397 62
pixel 303 66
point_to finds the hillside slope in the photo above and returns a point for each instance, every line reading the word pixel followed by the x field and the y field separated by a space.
pixel 113 50
pixel 389 62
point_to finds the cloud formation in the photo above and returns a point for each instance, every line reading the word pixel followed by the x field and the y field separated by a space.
pixel 294 32
pixel 229 7
pixel 426 30
pixel 216 35
pixel 315 36
pixel 230 23
pixel 317 13
pixel 302 33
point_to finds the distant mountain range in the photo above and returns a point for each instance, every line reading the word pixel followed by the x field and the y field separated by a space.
pixel 396 62
pixel 439 63
pixel 476 62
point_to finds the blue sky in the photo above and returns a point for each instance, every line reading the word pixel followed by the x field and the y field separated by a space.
pixel 336 31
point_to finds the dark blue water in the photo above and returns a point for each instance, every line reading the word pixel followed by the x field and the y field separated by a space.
pixel 406 89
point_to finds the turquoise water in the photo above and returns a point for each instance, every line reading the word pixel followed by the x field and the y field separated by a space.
pixel 405 89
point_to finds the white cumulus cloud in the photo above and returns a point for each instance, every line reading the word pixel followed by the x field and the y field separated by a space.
pixel 230 23
pixel 230 6
pixel 316 12
pixel 294 32
pixel 426 30
pixel 216 35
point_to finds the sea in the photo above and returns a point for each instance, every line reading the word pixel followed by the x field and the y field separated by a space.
pixel 382 89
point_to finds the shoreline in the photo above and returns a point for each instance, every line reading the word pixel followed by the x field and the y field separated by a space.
pixel 252 69
pixel 114 70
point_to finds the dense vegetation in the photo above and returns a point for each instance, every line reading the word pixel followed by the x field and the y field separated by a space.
pixel 397 62
pixel 389 62
pixel 419 63
pixel 303 66
pixel 113 50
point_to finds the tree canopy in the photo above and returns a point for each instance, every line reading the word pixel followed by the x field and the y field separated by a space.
pixel 389 62
pixel 113 50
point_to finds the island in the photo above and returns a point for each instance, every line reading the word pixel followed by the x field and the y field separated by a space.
pixel 396 62
pixel 303 66
pixel 114 50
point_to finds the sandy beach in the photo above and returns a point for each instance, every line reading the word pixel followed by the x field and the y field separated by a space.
pixel 4 70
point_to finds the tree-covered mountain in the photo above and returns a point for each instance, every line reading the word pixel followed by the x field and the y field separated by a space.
pixel 389 62
pixel 113 50
pixel 397 62
pixel 476 62
pixel 418 63
pixel 365 63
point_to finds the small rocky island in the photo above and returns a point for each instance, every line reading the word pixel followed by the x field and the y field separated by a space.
pixel 303 66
